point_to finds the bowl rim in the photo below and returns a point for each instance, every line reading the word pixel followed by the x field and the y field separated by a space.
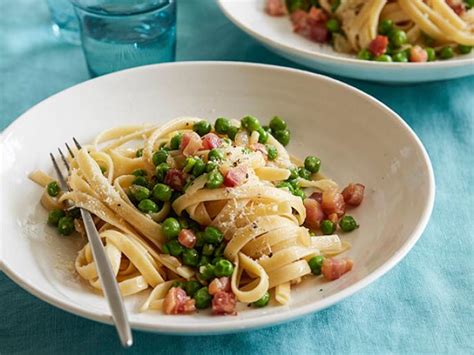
pixel 237 325
pixel 341 60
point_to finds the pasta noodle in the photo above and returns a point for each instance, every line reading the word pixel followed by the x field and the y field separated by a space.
pixel 384 29
pixel 208 216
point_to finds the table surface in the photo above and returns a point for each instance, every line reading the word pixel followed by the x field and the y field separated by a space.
pixel 423 305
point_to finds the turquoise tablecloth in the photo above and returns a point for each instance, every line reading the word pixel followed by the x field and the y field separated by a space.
pixel 425 304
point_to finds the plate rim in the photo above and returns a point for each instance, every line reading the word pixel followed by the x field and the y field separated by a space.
pixel 334 59
pixel 264 320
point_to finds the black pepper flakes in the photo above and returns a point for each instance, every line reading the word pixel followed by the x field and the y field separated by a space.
pixel 270 255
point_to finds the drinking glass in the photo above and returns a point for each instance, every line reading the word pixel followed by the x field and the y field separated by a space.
pixel 65 24
pixel 120 34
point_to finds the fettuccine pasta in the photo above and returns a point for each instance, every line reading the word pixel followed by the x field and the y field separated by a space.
pixel 203 216
pixel 384 30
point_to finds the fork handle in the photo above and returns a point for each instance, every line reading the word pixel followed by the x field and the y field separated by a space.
pixel 107 279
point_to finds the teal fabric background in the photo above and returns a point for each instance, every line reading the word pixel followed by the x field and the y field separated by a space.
pixel 424 305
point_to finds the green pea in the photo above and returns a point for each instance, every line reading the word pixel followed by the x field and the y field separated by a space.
pixel 202 298
pixel 162 192
pixel 215 154
pixel 207 271
pixel 222 125
pixel 285 185
pixel 462 49
pixel 431 54
pixel 348 224
pixel 272 152
pixel 199 168
pixel 161 171
pixel 250 123
pixel 175 142
pixel 217 259
pixel 204 260
pixel 304 173
pixel 278 124
pixel 400 57
pixel 232 131
pixel 165 249
pixel 383 58
pixel 140 180
pixel 398 38
pixel 189 164
pixel 333 25
pixel 66 225
pixel 74 212
pixel 139 153
pixel 446 53
pixel 148 206
pixel 365 54
pixel 200 240
pixel 208 249
pixel 183 222
pixel 262 135
pixel 328 227
pixel 299 193
pixel 139 192
pixel 53 189
pixel 315 264
pixel 262 302
pixel 214 179
pixel 171 227
pixel 293 173
pixel 385 27
pixel 54 216
pixel 294 183
pixel 211 165
pixel 213 235
pixel 175 248
pixel 469 4
pixel 224 268
pixel 283 136
pixel 160 157
pixel 220 250
pixel 191 287
pixel 202 127
pixel 267 129
pixel 139 172
pixel 190 257
pixel 313 164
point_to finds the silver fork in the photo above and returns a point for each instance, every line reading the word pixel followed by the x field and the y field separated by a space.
pixel 104 269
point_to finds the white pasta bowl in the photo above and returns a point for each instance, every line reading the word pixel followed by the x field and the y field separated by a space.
pixel 277 34
pixel 357 138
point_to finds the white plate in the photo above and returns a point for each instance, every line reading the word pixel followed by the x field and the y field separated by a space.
pixel 357 138
pixel 276 33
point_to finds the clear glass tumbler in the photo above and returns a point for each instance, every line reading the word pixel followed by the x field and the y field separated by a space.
pixel 120 34
pixel 65 24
